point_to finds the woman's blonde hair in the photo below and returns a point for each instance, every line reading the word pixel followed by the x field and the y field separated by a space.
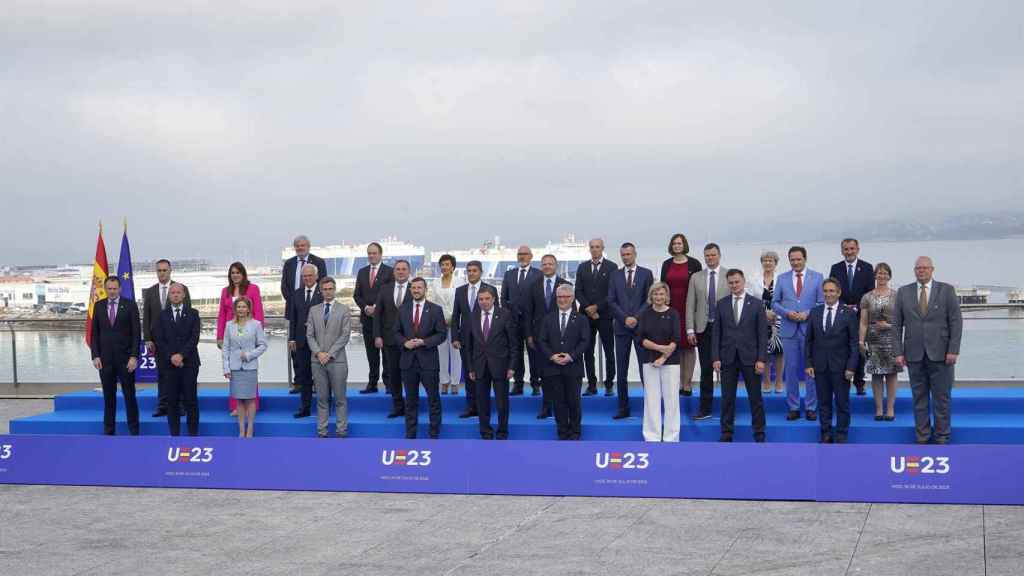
pixel 658 286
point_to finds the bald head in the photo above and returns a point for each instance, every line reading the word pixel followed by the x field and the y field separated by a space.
pixel 923 269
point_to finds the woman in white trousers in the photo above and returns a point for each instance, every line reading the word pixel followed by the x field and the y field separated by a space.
pixel 659 332
pixel 442 293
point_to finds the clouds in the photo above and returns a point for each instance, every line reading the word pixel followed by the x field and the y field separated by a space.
pixel 545 110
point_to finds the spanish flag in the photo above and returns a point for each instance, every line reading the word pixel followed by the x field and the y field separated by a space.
pixel 99 275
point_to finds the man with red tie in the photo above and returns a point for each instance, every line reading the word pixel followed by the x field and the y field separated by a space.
pixel 369 280
pixel 419 331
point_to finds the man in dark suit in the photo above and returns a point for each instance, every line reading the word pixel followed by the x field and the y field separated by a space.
pixel 627 296
pixel 515 288
pixel 291 280
pixel 563 340
pixel 857 278
pixel 462 312
pixel 539 303
pixel 739 345
pixel 297 312
pixel 154 301
pixel 369 280
pixel 592 280
pixel 177 337
pixel 390 299
pixel 832 354
pixel 419 331
pixel 116 337
pixel 927 328
pixel 491 340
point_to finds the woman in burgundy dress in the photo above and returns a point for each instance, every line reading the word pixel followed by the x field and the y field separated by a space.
pixel 676 272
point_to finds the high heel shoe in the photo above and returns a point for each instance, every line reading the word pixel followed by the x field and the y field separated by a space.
pixel 444 388
pixel 879 417
pixel 890 417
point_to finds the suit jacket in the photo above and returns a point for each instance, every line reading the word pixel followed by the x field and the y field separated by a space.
pixel 151 309
pixel 226 311
pixel 624 301
pixel 697 298
pixel 115 344
pixel 536 307
pixel 835 350
pixel 330 336
pixel 461 312
pixel 497 350
pixel 592 289
pixel 297 312
pixel 514 294
pixel 863 281
pixel 932 335
pixel 181 337
pixel 252 340
pixel 364 294
pixel 432 331
pixel 385 316
pixel 744 343
pixel 785 300
pixel 574 341
pixel 288 274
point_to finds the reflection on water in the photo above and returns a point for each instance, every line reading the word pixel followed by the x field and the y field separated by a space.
pixel 991 349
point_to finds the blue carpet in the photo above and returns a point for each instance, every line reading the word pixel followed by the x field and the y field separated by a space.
pixel 979 416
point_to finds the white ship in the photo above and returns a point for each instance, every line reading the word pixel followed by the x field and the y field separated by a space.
pixel 344 260
pixel 496 258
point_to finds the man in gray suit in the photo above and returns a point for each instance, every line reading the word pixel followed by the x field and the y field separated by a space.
pixel 928 327
pixel 707 287
pixel 327 332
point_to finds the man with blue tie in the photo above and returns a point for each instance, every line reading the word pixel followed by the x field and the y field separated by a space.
pixel 707 287
pixel 796 293
pixel 832 355
pixel 177 340
pixel 627 296
pixel 563 339
pixel 540 303
pixel 419 331
pixel 491 341
pixel 462 312
pixel 514 292
pixel 857 278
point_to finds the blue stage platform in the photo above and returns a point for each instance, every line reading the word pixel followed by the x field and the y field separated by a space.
pixel 980 416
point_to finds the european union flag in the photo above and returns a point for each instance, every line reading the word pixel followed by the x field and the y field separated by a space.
pixel 124 268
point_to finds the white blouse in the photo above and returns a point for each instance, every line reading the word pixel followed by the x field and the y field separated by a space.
pixel 444 297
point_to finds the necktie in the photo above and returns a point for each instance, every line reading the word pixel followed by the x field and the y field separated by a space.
pixel 562 330
pixel 416 319
pixel 799 284
pixel 828 320
pixel 472 298
pixel 736 309
pixel 373 275
pixel 711 296
pixel 547 293
pixel 593 268
pixel 112 311
pixel 163 297
pixel 309 295
pixel 849 277
pixel 177 314
pixel 522 276
pixel 398 299
pixel 629 279
pixel 327 313
pixel 298 272
pixel 922 301
pixel 487 324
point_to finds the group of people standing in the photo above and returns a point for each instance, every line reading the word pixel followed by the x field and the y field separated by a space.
pixel 825 332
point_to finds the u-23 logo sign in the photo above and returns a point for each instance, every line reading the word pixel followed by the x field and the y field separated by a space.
pixel 919 464
pixel 622 460
pixel 405 457
pixel 6 451
pixel 197 454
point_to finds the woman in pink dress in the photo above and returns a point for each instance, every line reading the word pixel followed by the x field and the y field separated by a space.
pixel 676 272
pixel 238 285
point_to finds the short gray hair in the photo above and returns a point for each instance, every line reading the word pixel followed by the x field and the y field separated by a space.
pixel 771 255
pixel 564 288
pixel 308 265
pixel 300 238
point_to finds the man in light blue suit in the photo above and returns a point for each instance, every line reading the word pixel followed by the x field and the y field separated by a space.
pixel 796 293
pixel 627 296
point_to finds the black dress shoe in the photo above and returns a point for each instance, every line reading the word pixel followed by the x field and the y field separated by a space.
pixel 543 414
pixel 501 436
pixel 160 412
pixel 825 439
pixel 517 389
pixel 302 414
pixel 535 391
pixel 293 390
pixel 793 415
pixel 879 417
pixel 837 439
pixel 469 414
pixel 487 436
pixel 591 390
pixel 812 415
pixel 369 390
pixel 396 414
pixel 609 391
pixel 725 438
pixel 621 414
pixel 890 418
pixel 702 416
pixel 434 436
pixel 861 391
pixel 759 438
pixel 686 392
pixel 410 436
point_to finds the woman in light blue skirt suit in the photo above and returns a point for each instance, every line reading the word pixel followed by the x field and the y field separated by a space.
pixel 244 343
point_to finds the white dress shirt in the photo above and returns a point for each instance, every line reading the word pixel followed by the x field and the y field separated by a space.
pixel 298 269
pixel 164 290
pixel 471 291
pixel 834 309
pixel 400 288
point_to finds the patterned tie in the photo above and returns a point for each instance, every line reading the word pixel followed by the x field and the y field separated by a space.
pixel 416 319
pixel 828 320
pixel 547 293
pixel 849 277
pixel 629 278
pixel 472 298
pixel 112 311
pixel 487 324
pixel 799 284
pixel 711 297
pixel 373 275
pixel 922 301
pixel 327 313
pixel 398 299
pixel 562 330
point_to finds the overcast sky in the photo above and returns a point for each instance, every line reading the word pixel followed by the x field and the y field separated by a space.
pixel 222 129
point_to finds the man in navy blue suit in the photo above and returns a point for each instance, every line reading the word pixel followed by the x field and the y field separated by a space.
pixel 592 279
pixel 491 340
pixel 177 339
pixel 857 278
pixel 419 331
pixel 739 345
pixel 539 304
pixel 297 312
pixel 116 337
pixel 627 296
pixel 832 354
pixel 462 312
pixel 291 280
pixel 563 340
pixel 515 289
